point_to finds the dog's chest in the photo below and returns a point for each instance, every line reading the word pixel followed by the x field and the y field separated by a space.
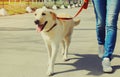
pixel 52 36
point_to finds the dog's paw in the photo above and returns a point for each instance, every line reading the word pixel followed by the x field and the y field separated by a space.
pixel 50 72
pixel 66 60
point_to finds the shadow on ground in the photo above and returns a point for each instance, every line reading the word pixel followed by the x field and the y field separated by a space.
pixel 88 62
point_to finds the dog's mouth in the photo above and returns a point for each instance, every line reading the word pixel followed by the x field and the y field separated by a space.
pixel 41 26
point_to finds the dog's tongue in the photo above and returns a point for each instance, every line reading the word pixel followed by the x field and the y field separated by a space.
pixel 39 29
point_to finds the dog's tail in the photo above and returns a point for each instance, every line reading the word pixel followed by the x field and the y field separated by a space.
pixel 76 21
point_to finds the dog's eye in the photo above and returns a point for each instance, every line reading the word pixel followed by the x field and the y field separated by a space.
pixel 43 14
pixel 35 14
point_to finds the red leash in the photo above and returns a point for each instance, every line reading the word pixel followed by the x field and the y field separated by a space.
pixel 80 10
pixel 84 6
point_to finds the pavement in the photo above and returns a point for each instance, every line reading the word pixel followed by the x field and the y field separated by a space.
pixel 23 53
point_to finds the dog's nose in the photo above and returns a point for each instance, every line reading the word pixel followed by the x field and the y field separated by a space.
pixel 36 21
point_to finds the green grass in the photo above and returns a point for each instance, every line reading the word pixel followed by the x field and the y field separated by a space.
pixel 19 8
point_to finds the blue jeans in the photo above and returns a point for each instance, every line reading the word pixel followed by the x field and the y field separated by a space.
pixel 107 12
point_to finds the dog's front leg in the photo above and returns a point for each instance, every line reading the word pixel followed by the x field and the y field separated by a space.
pixel 49 50
pixel 55 47
pixel 63 47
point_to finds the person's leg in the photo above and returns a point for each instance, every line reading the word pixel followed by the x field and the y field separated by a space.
pixel 113 8
pixel 100 12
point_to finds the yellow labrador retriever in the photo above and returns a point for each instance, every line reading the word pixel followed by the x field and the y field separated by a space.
pixel 54 31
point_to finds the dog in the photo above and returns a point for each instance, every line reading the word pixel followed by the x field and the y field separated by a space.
pixel 54 31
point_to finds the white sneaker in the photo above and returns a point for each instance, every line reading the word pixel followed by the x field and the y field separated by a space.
pixel 100 51
pixel 106 65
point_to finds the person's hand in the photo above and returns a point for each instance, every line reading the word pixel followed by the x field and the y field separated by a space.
pixel 85 5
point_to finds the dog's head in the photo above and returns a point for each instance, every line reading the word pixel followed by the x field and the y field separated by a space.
pixel 44 19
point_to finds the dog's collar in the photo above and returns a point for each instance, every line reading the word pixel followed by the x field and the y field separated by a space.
pixel 52 27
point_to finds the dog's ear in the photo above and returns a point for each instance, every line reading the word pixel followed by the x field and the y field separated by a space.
pixel 53 15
